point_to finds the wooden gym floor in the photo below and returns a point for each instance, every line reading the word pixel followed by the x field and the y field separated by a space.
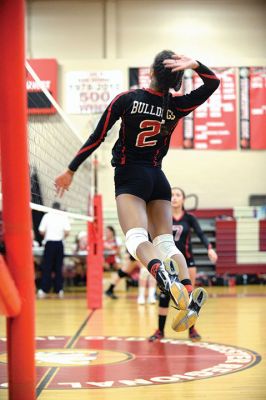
pixel 104 354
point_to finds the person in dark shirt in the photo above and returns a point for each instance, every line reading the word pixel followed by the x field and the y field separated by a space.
pixel 143 194
pixel 183 224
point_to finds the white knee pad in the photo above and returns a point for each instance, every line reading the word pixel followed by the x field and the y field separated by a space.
pixel 166 246
pixel 134 237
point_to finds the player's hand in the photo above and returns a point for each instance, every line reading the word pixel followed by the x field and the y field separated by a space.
pixel 179 62
pixel 63 181
pixel 212 256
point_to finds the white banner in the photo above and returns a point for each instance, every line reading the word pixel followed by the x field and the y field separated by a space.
pixel 90 92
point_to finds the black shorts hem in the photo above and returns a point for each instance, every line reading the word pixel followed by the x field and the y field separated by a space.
pixel 191 263
pixel 141 196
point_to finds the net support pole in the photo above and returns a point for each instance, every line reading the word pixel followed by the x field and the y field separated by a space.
pixel 16 198
pixel 95 257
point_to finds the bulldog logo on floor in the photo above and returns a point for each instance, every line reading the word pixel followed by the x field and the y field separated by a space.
pixel 97 362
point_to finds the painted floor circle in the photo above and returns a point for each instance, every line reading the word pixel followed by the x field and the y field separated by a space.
pixel 95 362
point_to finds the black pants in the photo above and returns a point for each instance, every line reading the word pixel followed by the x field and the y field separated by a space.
pixel 52 261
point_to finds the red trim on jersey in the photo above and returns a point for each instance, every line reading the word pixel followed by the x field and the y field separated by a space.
pixel 105 125
pixel 123 156
pixel 181 216
pixel 155 163
pixel 152 91
pixel 123 159
pixel 208 76
pixel 188 254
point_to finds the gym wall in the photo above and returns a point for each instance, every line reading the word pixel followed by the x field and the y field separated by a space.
pixel 113 34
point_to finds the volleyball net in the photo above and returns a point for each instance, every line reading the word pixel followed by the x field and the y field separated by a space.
pixel 53 142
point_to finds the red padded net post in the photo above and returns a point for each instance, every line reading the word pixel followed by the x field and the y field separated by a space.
pixel 16 198
pixel 95 257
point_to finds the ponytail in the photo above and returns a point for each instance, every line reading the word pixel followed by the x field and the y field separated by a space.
pixel 166 79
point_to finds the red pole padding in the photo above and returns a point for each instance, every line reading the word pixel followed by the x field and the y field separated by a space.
pixel 10 303
pixel 16 197
pixel 95 257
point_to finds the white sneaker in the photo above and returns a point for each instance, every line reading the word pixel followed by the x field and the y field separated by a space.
pixel 60 294
pixel 152 300
pixel 41 294
pixel 141 300
pixel 152 295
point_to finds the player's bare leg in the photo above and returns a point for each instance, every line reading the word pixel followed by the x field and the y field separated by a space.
pixel 132 214
pixel 123 272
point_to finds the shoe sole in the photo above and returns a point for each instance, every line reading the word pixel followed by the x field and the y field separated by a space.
pixel 167 265
pixel 199 296
pixel 178 291
pixel 179 295
pixel 184 320
pixel 187 318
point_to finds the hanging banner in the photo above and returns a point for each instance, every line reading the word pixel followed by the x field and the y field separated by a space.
pixel 257 105
pixel 183 135
pixel 215 121
pixel 177 136
pixel 90 92
pixel 244 108
pixel 253 108
pixel 47 71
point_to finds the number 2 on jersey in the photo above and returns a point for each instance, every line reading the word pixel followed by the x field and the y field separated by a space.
pixel 143 137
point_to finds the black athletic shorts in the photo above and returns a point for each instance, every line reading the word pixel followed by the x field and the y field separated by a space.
pixel 190 262
pixel 148 183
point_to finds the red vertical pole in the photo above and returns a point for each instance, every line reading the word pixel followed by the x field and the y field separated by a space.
pixel 95 257
pixel 16 197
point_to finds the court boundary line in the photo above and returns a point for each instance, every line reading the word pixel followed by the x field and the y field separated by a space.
pixel 51 372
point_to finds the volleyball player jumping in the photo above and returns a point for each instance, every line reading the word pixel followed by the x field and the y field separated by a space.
pixel 143 194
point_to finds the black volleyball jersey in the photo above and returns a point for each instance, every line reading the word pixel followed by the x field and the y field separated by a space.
pixel 140 110
pixel 182 229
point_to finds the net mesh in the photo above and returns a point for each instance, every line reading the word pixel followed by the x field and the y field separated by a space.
pixel 52 144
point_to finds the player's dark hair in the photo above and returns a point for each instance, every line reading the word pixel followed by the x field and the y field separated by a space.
pixel 183 194
pixel 112 229
pixel 165 80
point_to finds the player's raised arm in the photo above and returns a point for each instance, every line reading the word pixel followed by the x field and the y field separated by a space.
pixel 189 102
